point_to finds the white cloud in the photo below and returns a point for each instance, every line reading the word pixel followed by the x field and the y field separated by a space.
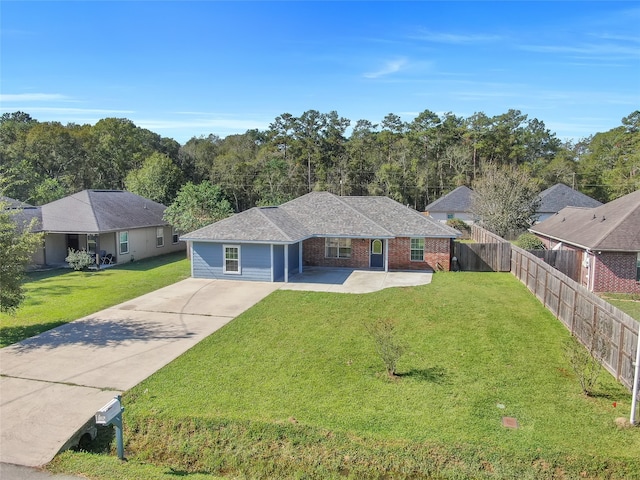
pixel 390 67
pixel 32 97
pixel 455 38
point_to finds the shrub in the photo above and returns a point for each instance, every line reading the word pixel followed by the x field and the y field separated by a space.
pixel 79 259
pixel 528 241
pixel 460 225
pixel 388 346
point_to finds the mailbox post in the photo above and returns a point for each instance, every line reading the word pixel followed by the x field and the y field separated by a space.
pixel 111 413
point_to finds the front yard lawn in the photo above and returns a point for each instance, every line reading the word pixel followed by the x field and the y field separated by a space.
pixel 59 296
pixel 293 388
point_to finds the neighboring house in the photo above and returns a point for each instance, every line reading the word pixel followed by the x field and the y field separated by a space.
pixel 122 225
pixel 555 198
pixel 319 229
pixel 608 239
pixel 455 204
pixel 25 216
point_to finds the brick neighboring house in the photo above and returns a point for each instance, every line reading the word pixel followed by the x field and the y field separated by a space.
pixel 607 237
pixel 319 229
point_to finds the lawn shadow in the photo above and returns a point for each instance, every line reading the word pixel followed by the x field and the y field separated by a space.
pixel 95 332
pixel 432 374
pixel 151 263
pixel 11 335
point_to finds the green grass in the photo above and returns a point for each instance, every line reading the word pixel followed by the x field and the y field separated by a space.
pixel 59 296
pixel 627 302
pixel 293 389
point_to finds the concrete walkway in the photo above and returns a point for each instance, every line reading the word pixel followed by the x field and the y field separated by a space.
pixel 52 384
pixel 348 280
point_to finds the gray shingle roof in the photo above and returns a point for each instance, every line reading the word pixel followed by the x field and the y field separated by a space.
pixel 324 214
pixel 22 213
pixel 98 211
pixel 614 226
pixel 555 198
pixel 457 200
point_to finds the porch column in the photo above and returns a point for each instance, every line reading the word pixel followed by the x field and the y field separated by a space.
pixel 286 263
pixel 272 268
pixel 386 255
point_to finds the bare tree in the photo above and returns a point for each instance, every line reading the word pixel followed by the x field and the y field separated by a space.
pixel 505 199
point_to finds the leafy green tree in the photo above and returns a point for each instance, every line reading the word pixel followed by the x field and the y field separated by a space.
pixel 196 206
pixel 17 245
pixel 159 179
pixel 505 199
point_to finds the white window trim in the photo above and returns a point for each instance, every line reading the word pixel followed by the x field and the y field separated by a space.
pixel 412 249
pixel 175 237
pixel 123 252
pixel 224 261
pixel 158 237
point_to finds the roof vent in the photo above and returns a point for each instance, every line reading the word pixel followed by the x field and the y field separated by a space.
pixel 603 219
pixel 594 216
pixel 563 219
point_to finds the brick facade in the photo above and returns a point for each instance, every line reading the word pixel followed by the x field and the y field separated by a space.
pixel 313 254
pixel 436 253
pixel 616 272
pixel 613 271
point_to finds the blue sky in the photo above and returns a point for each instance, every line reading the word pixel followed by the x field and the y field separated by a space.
pixel 185 69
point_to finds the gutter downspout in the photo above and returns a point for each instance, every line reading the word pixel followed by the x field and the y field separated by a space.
pixel 636 386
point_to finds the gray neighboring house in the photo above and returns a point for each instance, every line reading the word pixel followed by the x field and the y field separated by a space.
pixel 121 225
pixel 25 216
pixel 455 204
pixel 555 198
pixel 319 229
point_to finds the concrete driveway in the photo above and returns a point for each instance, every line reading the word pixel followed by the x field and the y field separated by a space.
pixel 52 384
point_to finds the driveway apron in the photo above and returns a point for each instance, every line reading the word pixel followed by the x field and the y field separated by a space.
pixel 53 383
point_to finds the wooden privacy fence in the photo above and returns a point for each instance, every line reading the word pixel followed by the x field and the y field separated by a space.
pixel 566 261
pixel 490 253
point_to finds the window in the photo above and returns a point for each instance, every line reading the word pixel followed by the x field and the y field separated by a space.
pixel 417 249
pixel 91 244
pixel 160 237
pixel 376 247
pixel 124 243
pixel 449 216
pixel 337 248
pixel 638 267
pixel 175 238
pixel 231 259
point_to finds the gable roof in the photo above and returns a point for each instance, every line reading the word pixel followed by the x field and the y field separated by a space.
pixel 323 214
pixel 457 200
pixel 99 211
pixel 614 226
pixel 555 198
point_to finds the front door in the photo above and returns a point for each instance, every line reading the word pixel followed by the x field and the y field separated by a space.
pixel 377 253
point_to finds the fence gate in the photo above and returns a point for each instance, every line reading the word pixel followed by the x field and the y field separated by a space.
pixel 483 257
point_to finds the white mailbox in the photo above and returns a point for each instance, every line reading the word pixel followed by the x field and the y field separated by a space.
pixel 108 412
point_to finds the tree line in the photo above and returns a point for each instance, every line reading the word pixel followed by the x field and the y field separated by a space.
pixel 412 162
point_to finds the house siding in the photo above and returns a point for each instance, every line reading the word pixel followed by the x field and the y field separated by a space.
pixel 294 258
pixel 616 272
pixel 278 263
pixel 255 262
pixel 436 252
pixel 313 251
pixel 142 244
